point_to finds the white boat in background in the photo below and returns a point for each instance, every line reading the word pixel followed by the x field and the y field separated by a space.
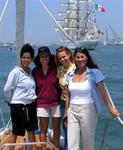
pixel 115 41
pixel 78 22
pixel 89 44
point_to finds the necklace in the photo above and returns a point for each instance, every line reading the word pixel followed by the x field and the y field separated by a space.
pixel 79 77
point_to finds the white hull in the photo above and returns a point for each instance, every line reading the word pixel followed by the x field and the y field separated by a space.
pixel 89 44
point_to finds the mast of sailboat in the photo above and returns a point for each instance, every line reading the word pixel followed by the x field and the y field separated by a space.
pixel 20 19
pixel 20 22
pixel 85 18
pixel 68 16
pixel 50 14
pixel 115 35
pixel 107 39
pixel 78 20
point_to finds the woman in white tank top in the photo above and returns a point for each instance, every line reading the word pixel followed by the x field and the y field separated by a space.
pixel 83 83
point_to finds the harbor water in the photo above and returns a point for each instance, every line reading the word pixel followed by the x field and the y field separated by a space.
pixel 109 133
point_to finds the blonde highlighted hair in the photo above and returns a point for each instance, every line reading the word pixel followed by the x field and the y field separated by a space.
pixel 67 51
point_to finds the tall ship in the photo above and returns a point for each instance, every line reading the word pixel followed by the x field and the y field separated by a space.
pixel 77 20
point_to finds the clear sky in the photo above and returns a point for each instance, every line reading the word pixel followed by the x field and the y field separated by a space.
pixel 39 26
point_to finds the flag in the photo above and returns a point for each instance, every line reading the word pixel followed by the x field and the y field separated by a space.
pixel 99 8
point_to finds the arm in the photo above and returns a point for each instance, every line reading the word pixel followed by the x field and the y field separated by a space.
pixel 10 85
pixel 106 99
pixel 67 102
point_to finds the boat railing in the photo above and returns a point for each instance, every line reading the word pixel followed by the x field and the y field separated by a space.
pixel 5 128
pixel 2 118
pixel 22 145
pixel 104 134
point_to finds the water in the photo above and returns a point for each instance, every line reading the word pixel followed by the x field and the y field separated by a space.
pixel 110 61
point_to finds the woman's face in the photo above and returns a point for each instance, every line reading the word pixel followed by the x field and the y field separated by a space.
pixel 44 58
pixel 80 59
pixel 25 60
pixel 63 58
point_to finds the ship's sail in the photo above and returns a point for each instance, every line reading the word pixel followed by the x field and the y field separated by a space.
pixel 77 22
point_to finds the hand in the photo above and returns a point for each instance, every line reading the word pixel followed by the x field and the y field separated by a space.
pixel 114 112
pixel 65 121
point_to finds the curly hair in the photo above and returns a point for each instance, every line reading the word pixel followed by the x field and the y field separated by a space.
pixel 27 48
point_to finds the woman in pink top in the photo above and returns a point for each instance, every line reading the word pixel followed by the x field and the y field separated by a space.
pixel 48 94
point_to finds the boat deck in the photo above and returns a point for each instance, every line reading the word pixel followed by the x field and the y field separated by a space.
pixel 21 139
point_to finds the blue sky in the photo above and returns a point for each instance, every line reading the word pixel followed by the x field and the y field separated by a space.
pixel 39 26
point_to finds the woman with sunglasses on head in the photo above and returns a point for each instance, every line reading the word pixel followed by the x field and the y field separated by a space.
pixel 48 94
pixel 65 63
pixel 85 85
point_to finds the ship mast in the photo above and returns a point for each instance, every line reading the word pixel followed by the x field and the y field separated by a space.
pixel 85 19
pixel 78 20
pixel 20 23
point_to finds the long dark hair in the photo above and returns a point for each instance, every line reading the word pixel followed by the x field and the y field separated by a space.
pixel 90 62
pixel 52 62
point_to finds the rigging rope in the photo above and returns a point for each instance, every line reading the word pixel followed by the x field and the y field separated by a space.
pixel 4 8
pixel 44 6
pixel 118 118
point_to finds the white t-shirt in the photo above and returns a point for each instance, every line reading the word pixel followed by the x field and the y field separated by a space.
pixel 80 92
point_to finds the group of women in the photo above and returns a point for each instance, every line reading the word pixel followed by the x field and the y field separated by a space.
pixel 66 87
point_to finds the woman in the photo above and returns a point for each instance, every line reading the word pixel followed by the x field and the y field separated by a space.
pixel 84 83
pixel 20 93
pixel 48 94
pixel 65 63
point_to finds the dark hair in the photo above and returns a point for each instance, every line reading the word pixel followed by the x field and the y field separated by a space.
pixel 90 62
pixel 67 50
pixel 27 48
pixel 43 49
pixel 51 57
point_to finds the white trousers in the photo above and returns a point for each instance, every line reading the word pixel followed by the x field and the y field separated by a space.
pixel 82 121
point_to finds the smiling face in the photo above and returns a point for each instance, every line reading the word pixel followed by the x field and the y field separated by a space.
pixel 44 58
pixel 64 58
pixel 25 60
pixel 80 59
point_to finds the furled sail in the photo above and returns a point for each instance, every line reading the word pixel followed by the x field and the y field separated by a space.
pixel 20 22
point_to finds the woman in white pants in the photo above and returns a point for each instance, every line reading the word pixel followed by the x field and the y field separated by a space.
pixel 85 84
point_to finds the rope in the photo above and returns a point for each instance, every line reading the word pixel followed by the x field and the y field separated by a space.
pixel 50 14
pixel 3 122
pixel 118 118
pixel 104 134
pixel 4 8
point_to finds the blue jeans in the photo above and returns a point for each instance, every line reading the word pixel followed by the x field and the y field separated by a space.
pixel 62 109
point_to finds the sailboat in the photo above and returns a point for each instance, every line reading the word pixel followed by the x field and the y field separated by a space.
pixel 116 41
pixel 77 20
pixel 5 131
